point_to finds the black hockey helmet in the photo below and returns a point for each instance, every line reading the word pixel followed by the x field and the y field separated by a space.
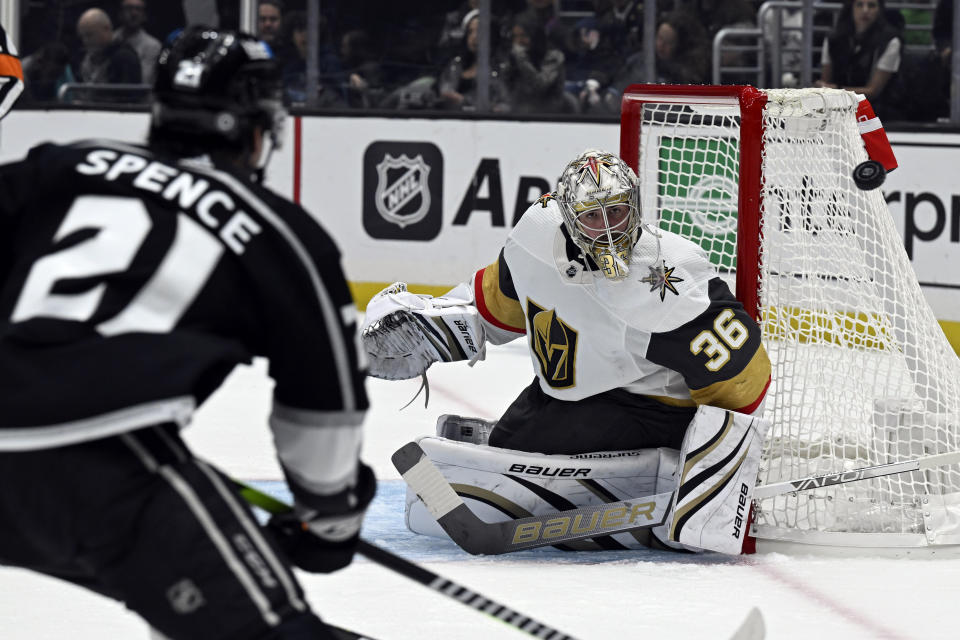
pixel 213 87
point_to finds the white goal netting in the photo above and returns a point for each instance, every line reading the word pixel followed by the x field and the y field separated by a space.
pixel 862 373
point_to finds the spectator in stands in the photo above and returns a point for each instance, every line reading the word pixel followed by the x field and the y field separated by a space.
pixel 133 14
pixel 534 73
pixel 544 14
pixel 270 22
pixel 361 66
pixel 453 33
pixel 621 24
pixel 862 53
pixel 920 90
pixel 44 72
pixel 938 71
pixel 330 71
pixel 682 49
pixel 105 60
pixel 943 30
pixel 457 84
pixel 596 52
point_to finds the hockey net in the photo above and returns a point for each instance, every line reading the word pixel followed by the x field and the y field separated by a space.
pixel 862 372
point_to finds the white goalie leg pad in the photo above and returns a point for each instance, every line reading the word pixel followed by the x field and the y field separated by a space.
pixel 718 467
pixel 404 333
pixel 503 484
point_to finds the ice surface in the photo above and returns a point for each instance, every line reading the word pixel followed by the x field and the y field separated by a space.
pixel 637 594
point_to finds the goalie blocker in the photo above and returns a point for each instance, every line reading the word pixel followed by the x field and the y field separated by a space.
pixel 699 497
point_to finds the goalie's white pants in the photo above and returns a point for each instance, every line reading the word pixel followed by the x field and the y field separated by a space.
pixel 503 484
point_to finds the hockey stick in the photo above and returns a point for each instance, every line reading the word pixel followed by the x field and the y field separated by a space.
pixel 830 479
pixel 752 628
pixel 419 574
pixel 475 536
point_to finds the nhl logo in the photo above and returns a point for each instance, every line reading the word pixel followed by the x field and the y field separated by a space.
pixel 403 192
pixel 185 597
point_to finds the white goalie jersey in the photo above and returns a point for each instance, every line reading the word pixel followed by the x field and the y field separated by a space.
pixel 671 330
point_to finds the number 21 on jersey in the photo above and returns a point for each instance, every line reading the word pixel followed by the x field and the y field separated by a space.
pixel 121 226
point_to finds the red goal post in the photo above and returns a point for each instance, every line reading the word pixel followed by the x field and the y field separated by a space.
pixel 750 102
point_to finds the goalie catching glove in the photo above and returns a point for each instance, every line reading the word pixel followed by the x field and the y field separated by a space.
pixel 404 333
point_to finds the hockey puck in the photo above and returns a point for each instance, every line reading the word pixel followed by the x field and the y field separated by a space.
pixel 869 175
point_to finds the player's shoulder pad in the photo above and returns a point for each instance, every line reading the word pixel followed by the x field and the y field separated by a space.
pixel 537 224
pixel 300 221
pixel 48 156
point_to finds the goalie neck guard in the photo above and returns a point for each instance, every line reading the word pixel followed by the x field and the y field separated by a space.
pixel 599 199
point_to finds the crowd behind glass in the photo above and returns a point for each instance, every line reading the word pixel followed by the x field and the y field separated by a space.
pixel 564 57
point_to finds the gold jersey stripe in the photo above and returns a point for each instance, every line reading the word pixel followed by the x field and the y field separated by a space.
pixel 742 390
pixel 503 308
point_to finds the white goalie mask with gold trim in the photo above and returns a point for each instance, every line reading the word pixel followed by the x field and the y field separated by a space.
pixel 599 199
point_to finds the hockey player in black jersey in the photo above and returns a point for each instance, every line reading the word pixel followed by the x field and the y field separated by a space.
pixel 134 279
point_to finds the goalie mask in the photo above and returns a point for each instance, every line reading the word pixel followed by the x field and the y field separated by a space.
pixel 598 196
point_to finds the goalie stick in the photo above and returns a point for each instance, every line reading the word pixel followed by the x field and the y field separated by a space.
pixel 419 574
pixel 475 536
pixel 853 475
pixel 752 628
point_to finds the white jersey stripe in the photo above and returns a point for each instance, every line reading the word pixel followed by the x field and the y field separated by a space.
pixel 196 506
pixel 253 530
pixel 176 410
pixel 242 516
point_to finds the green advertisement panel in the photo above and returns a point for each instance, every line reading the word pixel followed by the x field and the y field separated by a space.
pixel 697 195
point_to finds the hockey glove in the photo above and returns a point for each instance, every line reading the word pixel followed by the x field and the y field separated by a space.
pixel 404 333
pixel 323 540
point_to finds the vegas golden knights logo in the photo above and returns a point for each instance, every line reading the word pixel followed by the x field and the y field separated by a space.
pixel 554 343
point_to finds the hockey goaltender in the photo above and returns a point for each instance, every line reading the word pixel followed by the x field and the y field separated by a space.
pixel 650 377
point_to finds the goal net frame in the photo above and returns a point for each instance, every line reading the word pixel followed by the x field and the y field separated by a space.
pixel 913 414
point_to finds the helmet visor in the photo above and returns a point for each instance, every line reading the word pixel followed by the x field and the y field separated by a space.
pixel 604 221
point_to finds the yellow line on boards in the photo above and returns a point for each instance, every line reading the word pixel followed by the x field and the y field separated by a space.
pixel 952 331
